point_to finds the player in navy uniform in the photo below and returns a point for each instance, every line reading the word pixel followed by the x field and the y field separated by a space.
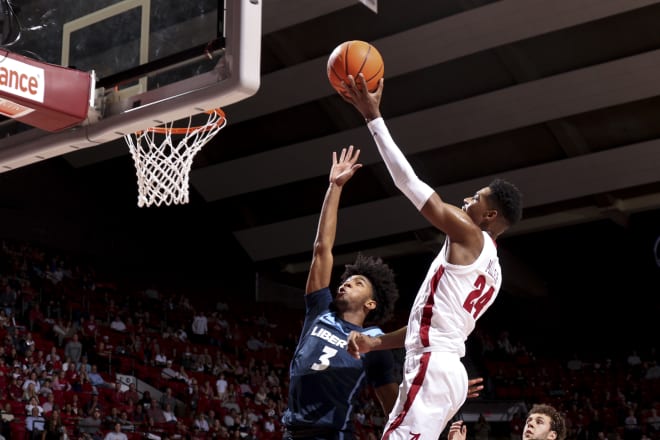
pixel 325 379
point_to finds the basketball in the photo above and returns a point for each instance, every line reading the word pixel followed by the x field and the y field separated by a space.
pixel 354 57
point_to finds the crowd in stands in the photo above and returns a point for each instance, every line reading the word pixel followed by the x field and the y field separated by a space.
pixel 88 358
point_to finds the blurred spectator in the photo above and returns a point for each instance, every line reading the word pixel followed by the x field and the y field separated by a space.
pixel 155 412
pixel 62 331
pixel 181 335
pixel 96 379
pixel 200 423
pixel 49 404
pixel 254 343
pixel 35 424
pixel 160 359
pixel 60 382
pixel 54 359
pixel 33 380
pixel 93 405
pixel 269 424
pixel 653 423
pixel 653 370
pixel 118 324
pixel 221 386
pixel 139 415
pixel 32 405
pixel 36 319
pixel 200 328
pixel 116 433
pixel 169 372
pixel 168 414
pixel 54 428
pixel 130 394
pixel 111 418
pixel 631 427
pixel 124 420
pixel 89 330
pixel 73 349
pixel 482 428
pixel 167 399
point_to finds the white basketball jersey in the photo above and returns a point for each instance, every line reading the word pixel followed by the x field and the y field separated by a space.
pixel 451 299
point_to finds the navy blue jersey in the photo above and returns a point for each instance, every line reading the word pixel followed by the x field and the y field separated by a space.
pixel 324 379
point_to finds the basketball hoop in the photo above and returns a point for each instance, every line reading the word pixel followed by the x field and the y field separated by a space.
pixel 162 167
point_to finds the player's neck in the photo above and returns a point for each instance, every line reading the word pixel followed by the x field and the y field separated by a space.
pixel 354 318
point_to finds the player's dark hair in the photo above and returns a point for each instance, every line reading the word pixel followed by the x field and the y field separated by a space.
pixel 381 277
pixel 557 422
pixel 507 199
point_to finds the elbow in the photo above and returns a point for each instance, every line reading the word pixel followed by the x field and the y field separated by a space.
pixel 321 248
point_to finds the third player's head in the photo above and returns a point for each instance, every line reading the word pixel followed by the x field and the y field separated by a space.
pixel 544 422
pixel 368 284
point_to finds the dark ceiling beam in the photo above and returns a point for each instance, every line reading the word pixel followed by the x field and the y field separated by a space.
pixel 453 37
pixel 604 85
pixel 582 176
pixel 281 14
pixel 473 31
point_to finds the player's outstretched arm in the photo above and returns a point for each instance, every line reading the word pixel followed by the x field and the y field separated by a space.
pixel 343 168
pixel 448 218
pixel 359 343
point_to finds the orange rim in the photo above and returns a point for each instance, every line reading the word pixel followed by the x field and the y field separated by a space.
pixel 187 130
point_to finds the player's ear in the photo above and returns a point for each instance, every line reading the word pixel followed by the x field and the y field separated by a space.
pixel 371 304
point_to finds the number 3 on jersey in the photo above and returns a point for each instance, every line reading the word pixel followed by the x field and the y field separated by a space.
pixel 324 359
pixel 477 299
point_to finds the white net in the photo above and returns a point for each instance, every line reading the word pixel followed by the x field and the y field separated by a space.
pixel 163 164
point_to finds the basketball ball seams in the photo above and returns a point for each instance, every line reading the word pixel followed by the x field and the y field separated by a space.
pixel 352 58
pixel 364 60
pixel 375 75
pixel 348 46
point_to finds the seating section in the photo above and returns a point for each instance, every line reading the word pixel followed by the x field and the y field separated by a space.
pixel 75 340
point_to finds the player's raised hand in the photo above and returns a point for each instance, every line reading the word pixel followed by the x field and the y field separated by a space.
pixel 344 167
pixel 366 102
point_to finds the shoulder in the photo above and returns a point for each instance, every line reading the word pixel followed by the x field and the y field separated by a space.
pixel 318 301
pixel 372 331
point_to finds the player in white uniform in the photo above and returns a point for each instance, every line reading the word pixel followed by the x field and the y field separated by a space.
pixel 462 282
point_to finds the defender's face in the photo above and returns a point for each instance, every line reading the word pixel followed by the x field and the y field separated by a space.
pixel 356 290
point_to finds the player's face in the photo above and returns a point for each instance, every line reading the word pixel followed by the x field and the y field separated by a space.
pixel 355 291
pixel 477 205
pixel 538 427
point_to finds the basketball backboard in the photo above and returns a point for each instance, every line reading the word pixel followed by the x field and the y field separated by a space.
pixel 153 61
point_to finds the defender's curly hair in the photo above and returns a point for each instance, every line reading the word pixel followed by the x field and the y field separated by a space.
pixel 507 199
pixel 381 277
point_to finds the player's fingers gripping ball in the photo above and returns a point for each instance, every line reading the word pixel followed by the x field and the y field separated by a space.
pixel 354 57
